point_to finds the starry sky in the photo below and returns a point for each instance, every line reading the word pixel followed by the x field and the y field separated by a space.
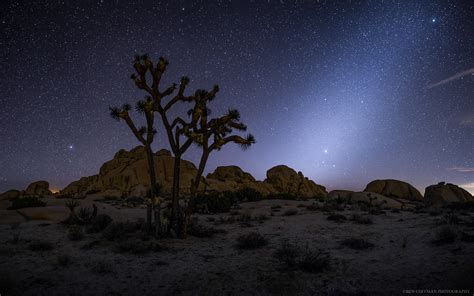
pixel 345 92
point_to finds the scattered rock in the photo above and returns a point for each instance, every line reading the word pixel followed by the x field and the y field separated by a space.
pixel 394 189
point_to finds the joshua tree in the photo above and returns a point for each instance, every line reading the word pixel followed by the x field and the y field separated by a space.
pixel 144 135
pixel 176 128
pixel 220 131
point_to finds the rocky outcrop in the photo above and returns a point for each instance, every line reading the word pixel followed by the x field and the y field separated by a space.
pixel 371 199
pixel 394 189
pixel 38 188
pixel 233 178
pixel 126 175
pixel 231 173
pixel 35 189
pixel 442 193
pixel 10 194
pixel 286 180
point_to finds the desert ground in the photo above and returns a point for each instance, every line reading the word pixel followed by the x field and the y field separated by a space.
pixel 304 248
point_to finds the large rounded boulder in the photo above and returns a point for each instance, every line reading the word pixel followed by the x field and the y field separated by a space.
pixel 231 173
pixel 287 180
pixel 394 189
pixel 38 188
pixel 442 193
pixel 128 174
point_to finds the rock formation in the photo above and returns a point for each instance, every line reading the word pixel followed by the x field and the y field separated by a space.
pixel 442 193
pixel 35 189
pixel 127 175
pixel 369 198
pixel 394 189
pixel 286 180
pixel 38 188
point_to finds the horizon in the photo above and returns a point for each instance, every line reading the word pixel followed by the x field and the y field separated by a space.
pixel 346 93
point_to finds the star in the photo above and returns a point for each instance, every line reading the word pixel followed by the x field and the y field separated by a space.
pixel 325 151
pixel 71 147
pixel 433 20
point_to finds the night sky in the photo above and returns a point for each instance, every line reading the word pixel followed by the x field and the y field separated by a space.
pixel 345 93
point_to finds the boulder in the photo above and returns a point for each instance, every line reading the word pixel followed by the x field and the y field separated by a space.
pixel 286 180
pixel 394 189
pixel 231 173
pixel 10 194
pixel 343 195
pixel 40 188
pixel 127 173
pixel 370 198
pixel 442 193
pixel 83 186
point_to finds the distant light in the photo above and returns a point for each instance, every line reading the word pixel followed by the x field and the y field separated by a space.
pixel 433 20
pixel 70 146
pixel 325 151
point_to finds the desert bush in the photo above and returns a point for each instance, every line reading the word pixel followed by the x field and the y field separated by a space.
pixel 75 233
pixel 138 247
pixel 247 194
pixel 357 243
pixel 445 235
pixel 360 219
pixel 314 261
pixel 92 191
pixel 395 210
pixel 119 230
pixel 64 260
pixel 85 215
pixel 451 219
pixel 434 212
pixel 275 207
pixel 290 212
pixel 7 282
pixel 40 246
pixel 251 240
pixel 213 203
pixel 98 223
pixel 336 217
pixel 313 207
pixel 283 196
pixel 72 204
pixel 26 202
pixel 466 237
pixel 287 253
pixel 461 206
pixel 261 218
pixel 101 266
pixel 197 229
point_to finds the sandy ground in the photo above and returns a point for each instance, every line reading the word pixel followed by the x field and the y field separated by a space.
pixel 403 258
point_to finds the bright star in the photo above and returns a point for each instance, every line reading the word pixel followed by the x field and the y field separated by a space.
pixel 325 151
pixel 433 20
pixel 70 146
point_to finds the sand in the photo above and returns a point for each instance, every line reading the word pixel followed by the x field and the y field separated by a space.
pixel 403 256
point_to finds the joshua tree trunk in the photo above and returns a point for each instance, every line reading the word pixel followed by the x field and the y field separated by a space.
pixel 197 180
pixel 175 196
pixel 194 189
pixel 149 208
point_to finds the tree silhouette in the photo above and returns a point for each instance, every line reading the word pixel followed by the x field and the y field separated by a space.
pixel 144 135
pixel 177 128
pixel 212 135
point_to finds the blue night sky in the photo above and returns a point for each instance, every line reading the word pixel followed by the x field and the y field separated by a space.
pixel 346 93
